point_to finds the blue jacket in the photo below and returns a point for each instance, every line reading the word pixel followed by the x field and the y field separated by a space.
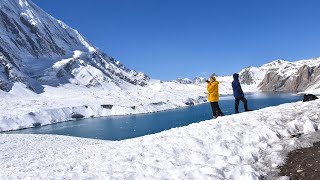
pixel 237 90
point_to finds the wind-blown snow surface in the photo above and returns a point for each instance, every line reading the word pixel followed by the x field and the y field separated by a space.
pixel 243 146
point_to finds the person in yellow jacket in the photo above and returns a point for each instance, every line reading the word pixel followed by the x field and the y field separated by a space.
pixel 213 96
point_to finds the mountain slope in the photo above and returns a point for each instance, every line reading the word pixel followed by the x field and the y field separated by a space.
pixel 32 43
pixel 292 76
pixel 282 75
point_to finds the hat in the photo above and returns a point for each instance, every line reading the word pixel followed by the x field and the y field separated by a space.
pixel 212 77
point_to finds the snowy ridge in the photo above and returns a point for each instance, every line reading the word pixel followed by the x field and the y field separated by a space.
pixel 31 42
pixel 196 80
pixel 252 75
pixel 243 146
pixel 285 68
pixel 293 76
pixel 281 75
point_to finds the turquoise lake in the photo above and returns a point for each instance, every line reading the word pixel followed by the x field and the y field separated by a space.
pixel 125 127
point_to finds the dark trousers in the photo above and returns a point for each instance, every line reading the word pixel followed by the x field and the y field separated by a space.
pixel 245 103
pixel 216 111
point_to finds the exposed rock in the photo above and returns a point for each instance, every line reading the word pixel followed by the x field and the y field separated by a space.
pixel 36 124
pixel 77 116
pixel 273 82
pixel 31 114
pixel 158 103
pixel 202 99
pixel 309 97
pixel 305 77
pixel 247 77
pixel 108 106
pixel 189 102
pixel 302 163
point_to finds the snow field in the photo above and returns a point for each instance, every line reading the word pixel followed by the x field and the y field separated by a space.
pixel 243 146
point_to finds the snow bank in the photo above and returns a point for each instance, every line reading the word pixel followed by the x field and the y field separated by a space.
pixel 312 91
pixel 22 108
pixel 243 146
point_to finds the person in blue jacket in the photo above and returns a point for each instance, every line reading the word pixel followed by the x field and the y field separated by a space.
pixel 238 94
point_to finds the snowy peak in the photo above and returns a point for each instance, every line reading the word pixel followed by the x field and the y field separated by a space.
pixel 280 75
pixel 199 80
pixel 184 81
pixel 252 75
pixel 32 42
pixel 196 80
pixel 275 64
pixel 32 33
pixel 297 76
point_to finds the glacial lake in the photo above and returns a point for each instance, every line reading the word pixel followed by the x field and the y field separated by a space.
pixel 130 126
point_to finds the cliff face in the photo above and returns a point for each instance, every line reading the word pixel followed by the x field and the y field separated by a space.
pixel 305 76
pixel 37 49
pixel 280 75
pixel 251 75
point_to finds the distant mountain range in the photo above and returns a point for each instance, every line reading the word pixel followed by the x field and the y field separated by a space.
pixel 279 75
pixel 282 75
pixel 37 49
pixel 196 80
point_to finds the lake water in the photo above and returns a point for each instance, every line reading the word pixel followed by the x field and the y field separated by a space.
pixel 131 126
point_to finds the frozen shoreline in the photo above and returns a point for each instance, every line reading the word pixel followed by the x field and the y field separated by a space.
pixel 246 145
pixel 21 108
pixel 18 112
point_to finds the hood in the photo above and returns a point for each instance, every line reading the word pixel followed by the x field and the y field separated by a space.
pixel 236 76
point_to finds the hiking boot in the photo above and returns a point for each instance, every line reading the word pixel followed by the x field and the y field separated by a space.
pixel 220 114
pixel 247 110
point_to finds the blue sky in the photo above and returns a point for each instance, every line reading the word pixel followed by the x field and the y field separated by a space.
pixel 168 39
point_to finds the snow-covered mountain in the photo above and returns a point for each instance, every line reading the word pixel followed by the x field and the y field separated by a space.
pixel 196 80
pixel 37 49
pixel 297 76
pixel 184 81
pixel 281 75
pixel 252 75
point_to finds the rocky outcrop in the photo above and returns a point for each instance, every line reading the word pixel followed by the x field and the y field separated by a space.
pixel 10 73
pixel 305 77
pixel 247 77
pixel 309 97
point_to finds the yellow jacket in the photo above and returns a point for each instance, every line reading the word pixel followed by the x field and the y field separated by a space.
pixel 213 91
